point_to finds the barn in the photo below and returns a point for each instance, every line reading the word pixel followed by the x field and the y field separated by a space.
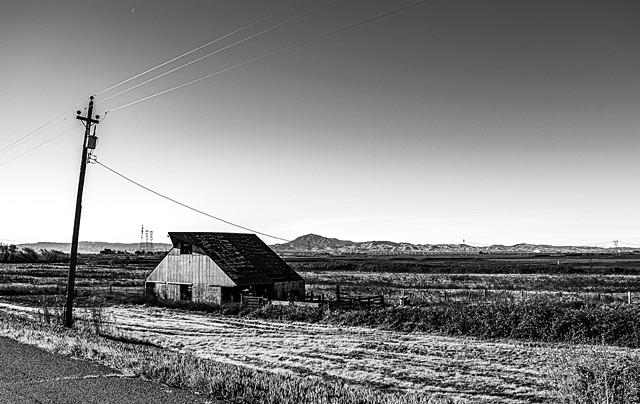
pixel 220 267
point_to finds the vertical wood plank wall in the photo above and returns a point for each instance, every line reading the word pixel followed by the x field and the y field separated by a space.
pixel 197 270
pixel 206 278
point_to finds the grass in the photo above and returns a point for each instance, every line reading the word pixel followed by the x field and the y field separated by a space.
pixel 225 381
pixel 482 372
pixel 544 319
pixel 583 375
pixel 540 316
pixel 589 377
pixel 476 264
pixel 427 288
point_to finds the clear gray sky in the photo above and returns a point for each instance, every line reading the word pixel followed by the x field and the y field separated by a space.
pixel 493 121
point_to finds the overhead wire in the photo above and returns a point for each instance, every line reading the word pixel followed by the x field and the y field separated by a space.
pixel 206 77
pixel 222 49
pixel 202 46
pixel 467 242
pixel 599 244
pixel 45 126
pixel 189 207
pixel 38 146
pixel 268 55
pixel 635 245
pixel 34 132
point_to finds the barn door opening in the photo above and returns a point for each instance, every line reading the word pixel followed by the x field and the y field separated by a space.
pixel 185 292
pixel 150 289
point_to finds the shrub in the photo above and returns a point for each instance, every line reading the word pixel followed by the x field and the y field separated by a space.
pixel 591 378
pixel 544 319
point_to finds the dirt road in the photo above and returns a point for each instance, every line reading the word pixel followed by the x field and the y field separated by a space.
pixel 31 375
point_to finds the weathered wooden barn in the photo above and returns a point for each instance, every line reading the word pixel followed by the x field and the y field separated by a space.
pixel 220 267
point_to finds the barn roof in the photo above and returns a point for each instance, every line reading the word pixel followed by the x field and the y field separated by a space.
pixel 243 257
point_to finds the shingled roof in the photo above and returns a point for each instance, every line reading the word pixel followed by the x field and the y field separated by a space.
pixel 243 257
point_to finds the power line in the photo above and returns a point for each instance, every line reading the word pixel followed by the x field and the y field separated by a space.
pixel 222 49
pixel 599 244
pixel 34 132
pixel 40 128
pixel 38 146
pixel 189 207
pixel 270 54
pixel 473 242
pixel 12 240
pixel 635 245
pixel 202 46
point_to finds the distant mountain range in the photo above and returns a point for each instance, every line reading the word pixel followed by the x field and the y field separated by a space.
pixel 93 247
pixel 313 244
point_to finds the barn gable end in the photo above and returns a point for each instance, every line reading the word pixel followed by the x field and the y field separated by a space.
pixel 219 267
pixel 197 273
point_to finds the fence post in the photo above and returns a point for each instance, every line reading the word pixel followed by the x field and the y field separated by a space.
pixel 484 294
pixel 445 295
pixel 337 293
pixel 629 297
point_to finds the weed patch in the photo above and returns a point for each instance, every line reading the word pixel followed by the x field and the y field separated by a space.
pixel 218 380
pixel 536 320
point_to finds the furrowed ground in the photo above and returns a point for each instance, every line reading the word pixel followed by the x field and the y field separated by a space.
pixel 397 358
pixel 393 361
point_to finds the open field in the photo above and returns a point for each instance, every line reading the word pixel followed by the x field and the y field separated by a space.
pixel 102 278
pixel 598 278
pixel 391 361
pixel 398 358
pixel 422 280
pixel 478 264
pixel 421 288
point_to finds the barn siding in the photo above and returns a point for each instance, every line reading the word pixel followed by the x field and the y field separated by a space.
pixel 214 294
pixel 189 268
pixel 167 291
pixel 208 282
pixel 197 270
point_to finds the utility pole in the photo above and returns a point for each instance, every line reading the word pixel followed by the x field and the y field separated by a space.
pixel 88 143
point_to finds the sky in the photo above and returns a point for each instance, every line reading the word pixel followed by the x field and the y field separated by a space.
pixel 488 121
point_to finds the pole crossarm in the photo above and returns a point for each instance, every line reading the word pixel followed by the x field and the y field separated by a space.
pixel 86 119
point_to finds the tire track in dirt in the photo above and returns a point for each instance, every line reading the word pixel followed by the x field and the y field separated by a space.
pixel 508 372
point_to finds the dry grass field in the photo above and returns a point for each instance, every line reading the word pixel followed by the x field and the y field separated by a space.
pixel 388 360
pixel 463 368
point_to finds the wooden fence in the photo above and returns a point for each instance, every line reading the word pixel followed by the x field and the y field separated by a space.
pixel 254 302
pixel 343 300
pixel 349 302
pixel 355 302
pixel 437 296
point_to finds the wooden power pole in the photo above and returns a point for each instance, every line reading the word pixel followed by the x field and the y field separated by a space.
pixel 88 143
